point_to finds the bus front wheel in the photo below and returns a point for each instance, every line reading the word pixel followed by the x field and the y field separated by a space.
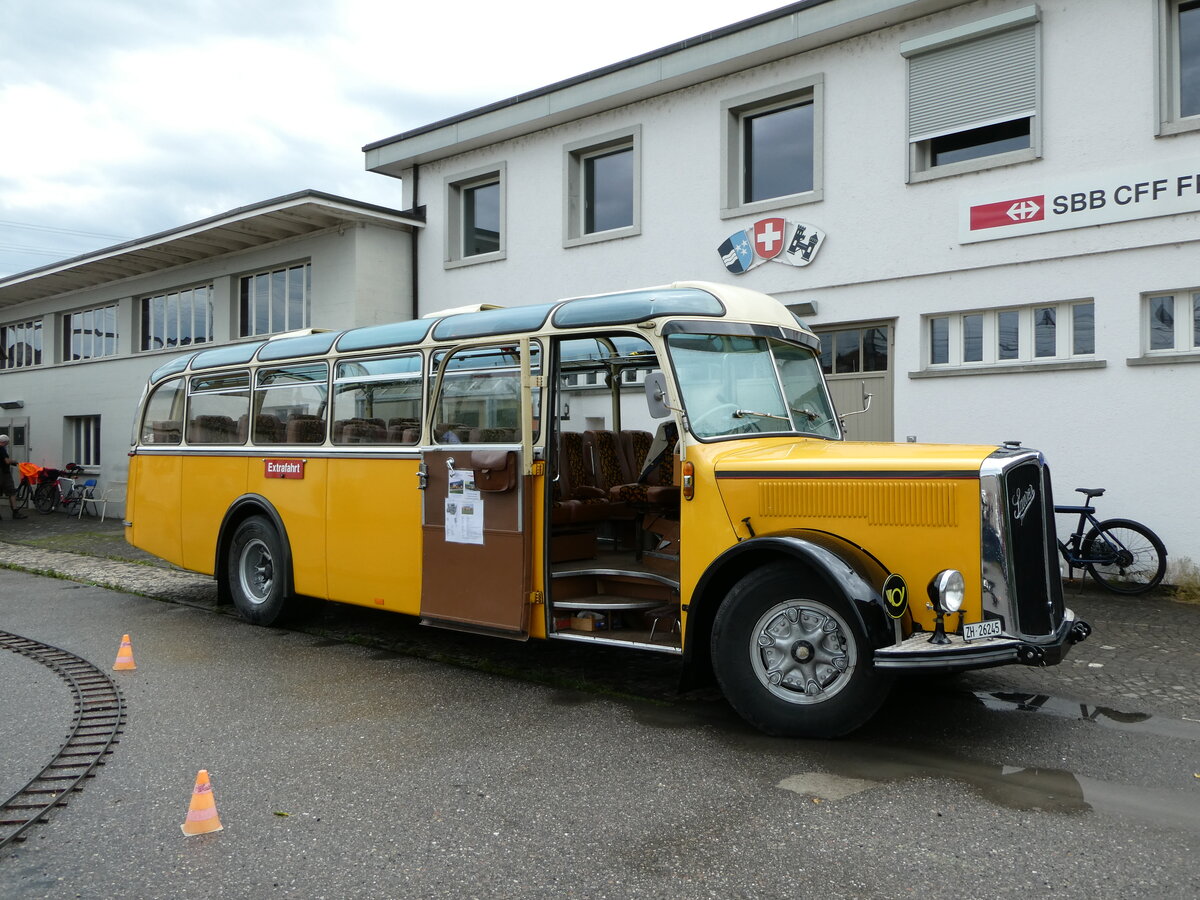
pixel 255 572
pixel 792 659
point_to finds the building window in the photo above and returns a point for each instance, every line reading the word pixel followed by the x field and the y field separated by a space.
pixel 475 203
pixel 973 96
pixel 602 190
pixel 275 301
pixel 1172 322
pixel 177 319
pixel 771 148
pixel 90 333
pixel 853 350
pixel 1179 66
pixel 1030 334
pixel 21 345
pixel 84 432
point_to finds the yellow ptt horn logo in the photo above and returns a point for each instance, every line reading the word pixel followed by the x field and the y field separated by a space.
pixel 895 596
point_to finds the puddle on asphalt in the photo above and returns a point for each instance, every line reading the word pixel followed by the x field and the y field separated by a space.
pixel 1120 720
pixel 844 768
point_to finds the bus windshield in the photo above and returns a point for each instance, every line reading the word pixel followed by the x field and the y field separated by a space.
pixel 734 384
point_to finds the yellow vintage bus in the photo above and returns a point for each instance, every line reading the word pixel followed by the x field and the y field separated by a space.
pixel 657 469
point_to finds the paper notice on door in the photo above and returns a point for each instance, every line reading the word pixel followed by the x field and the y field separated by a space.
pixel 462 485
pixel 464 521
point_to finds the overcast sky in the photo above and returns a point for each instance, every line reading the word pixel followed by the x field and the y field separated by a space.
pixel 122 118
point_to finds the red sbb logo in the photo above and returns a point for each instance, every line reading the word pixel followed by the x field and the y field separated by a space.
pixel 283 468
pixel 1008 212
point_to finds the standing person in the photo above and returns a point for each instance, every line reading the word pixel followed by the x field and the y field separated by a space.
pixel 7 487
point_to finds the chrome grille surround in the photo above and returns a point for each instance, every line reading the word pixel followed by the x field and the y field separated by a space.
pixel 1022 583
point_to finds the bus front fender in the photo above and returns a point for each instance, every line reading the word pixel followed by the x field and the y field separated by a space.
pixel 839 567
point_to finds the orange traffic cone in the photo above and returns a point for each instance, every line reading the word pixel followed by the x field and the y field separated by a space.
pixel 124 656
pixel 202 813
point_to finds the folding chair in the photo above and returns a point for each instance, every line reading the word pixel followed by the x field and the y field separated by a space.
pixel 89 496
pixel 113 493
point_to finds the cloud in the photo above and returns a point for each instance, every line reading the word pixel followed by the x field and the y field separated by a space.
pixel 128 117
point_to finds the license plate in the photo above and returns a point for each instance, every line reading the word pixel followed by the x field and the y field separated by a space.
pixel 974 631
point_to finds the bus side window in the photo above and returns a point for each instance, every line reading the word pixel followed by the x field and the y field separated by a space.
pixel 296 396
pixel 378 401
pixel 216 404
pixel 163 419
pixel 480 400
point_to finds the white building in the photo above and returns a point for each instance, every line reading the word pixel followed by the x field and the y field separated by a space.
pixel 1008 193
pixel 79 338
pixel 1004 196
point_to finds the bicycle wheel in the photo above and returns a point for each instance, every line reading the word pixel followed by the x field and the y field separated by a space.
pixel 45 498
pixel 1124 556
pixel 21 497
pixel 71 502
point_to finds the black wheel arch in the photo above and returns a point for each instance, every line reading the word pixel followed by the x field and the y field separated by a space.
pixel 843 568
pixel 243 508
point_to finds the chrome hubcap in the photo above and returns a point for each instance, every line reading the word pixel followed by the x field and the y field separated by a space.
pixel 802 651
pixel 256 572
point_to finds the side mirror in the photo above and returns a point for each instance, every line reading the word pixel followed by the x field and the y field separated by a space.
pixel 656 395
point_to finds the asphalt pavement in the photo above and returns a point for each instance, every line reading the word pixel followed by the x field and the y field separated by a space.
pixel 366 756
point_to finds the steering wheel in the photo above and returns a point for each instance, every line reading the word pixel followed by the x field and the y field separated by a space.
pixel 725 410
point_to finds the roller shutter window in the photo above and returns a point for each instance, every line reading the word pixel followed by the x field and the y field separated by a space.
pixel 973 96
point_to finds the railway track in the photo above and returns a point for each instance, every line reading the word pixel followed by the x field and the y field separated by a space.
pixel 98 718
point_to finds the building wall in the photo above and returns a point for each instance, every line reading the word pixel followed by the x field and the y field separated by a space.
pixel 893 249
pixel 360 276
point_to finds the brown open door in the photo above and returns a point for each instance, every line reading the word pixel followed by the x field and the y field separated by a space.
pixel 476 510
pixel 476 569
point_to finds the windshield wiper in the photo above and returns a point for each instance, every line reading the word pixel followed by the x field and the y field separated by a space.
pixel 742 413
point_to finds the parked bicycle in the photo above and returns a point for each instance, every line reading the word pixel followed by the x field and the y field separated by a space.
pixel 30 473
pixel 59 489
pixel 1124 556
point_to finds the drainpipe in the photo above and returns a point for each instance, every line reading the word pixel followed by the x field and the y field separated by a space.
pixel 416 179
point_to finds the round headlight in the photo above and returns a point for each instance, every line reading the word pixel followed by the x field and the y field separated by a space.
pixel 947 590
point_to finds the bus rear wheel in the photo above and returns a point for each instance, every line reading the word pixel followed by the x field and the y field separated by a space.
pixel 256 573
pixel 792 659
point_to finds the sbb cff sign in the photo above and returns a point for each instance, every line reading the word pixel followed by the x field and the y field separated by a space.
pixel 1102 198
pixel 283 468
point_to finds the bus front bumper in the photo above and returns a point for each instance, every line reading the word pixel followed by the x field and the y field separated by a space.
pixel 916 654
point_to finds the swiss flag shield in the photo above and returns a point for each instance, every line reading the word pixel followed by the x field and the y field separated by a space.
pixel 768 237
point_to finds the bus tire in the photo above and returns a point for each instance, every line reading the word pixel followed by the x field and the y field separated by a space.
pixel 792 659
pixel 255 571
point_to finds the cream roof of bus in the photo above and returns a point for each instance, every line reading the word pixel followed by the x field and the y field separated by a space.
pixel 695 299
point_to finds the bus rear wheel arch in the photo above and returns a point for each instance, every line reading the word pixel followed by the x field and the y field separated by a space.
pixel 791 656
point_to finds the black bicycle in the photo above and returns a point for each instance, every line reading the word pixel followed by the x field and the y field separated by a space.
pixel 1124 556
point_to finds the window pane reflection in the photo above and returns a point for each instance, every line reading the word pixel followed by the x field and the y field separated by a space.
pixel 481 219
pixel 609 191
pixel 875 350
pixel 1162 323
pixel 1189 59
pixel 939 340
pixel 846 348
pixel 1083 328
pixel 1044 331
pixel 1008 334
pixel 778 152
pixel 972 338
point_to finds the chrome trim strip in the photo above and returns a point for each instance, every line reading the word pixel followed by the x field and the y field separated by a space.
pixel 639 645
